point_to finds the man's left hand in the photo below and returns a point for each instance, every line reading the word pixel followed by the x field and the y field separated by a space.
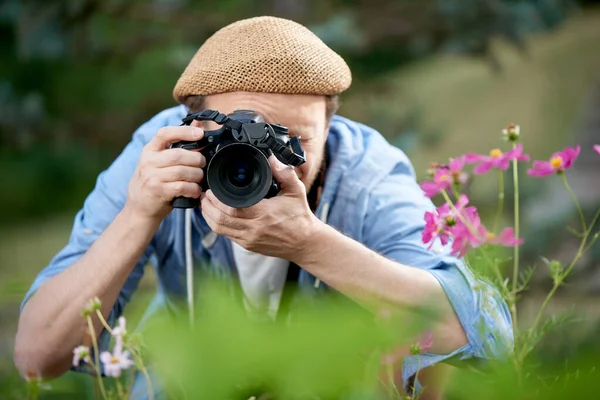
pixel 278 227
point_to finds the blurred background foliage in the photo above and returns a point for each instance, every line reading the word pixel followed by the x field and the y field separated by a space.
pixel 437 77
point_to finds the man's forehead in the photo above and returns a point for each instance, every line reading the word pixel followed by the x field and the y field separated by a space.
pixel 299 113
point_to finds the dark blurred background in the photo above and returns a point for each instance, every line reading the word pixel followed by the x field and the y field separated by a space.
pixel 437 77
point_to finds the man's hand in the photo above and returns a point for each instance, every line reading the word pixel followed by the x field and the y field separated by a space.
pixel 163 173
pixel 276 227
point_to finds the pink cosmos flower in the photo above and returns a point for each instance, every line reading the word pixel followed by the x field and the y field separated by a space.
pixel 505 238
pixel 469 233
pixel 597 148
pixel 439 222
pixel 496 159
pixel 116 362
pixel 465 233
pixel 81 353
pixel 558 163
pixel 445 177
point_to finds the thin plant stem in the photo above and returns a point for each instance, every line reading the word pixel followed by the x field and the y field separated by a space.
pixel 500 200
pixel 579 210
pixel 130 383
pixel 119 388
pixel 150 390
pixel 101 318
pixel 580 252
pixel 415 394
pixel 591 226
pixel 513 306
pixel 96 356
pixel 455 191
pixel 34 389
pixel 392 382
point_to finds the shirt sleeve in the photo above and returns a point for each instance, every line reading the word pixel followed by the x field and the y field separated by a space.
pixel 393 226
pixel 99 209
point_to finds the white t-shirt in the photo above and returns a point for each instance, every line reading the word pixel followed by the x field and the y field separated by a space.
pixel 262 279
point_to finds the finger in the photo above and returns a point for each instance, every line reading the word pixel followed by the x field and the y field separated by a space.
pixel 180 173
pixel 171 134
pixel 285 175
pixel 171 157
pixel 221 219
pixel 181 188
pixel 245 213
pixel 220 229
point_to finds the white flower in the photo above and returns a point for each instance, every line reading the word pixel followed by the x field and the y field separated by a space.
pixel 120 329
pixel 116 362
pixel 81 353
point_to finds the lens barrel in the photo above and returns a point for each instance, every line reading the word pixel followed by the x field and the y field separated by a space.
pixel 239 175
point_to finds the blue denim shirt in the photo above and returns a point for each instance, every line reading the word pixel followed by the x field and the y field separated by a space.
pixel 370 194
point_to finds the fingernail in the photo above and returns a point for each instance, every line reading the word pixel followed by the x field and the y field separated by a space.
pixel 196 132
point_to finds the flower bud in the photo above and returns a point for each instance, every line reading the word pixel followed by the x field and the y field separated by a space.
pixel 511 133
pixel 415 349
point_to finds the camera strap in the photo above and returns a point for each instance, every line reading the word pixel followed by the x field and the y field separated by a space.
pixel 212 115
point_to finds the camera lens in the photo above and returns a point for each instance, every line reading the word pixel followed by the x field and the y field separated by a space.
pixel 239 175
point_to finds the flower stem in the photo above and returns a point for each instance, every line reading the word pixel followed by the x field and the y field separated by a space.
pixel 579 210
pixel 119 388
pixel 580 252
pixel 392 383
pixel 149 388
pixel 455 192
pixel 500 200
pixel 101 318
pixel 130 383
pixel 415 394
pixel 513 306
pixel 96 356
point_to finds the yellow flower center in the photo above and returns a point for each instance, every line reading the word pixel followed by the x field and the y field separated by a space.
pixel 490 235
pixel 114 360
pixel 444 177
pixel 556 162
pixel 496 153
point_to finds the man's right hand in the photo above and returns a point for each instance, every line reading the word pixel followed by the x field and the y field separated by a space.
pixel 164 173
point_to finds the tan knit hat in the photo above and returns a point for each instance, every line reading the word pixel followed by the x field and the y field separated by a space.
pixel 264 54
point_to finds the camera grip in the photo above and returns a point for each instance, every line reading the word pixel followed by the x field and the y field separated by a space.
pixel 180 201
pixel 185 202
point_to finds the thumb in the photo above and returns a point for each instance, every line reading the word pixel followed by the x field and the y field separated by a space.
pixel 285 175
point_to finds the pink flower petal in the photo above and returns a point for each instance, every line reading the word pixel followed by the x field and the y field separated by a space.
pixel 456 164
pixel 597 148
pixel 426 342
pixel 472 158
pixel 541 168
pixel 483 168
pixel 430 188
pixel 569 156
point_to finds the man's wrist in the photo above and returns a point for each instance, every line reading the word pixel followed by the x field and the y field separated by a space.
pixel 314 243
pixel 135 218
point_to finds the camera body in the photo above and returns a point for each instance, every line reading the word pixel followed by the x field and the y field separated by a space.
pixel 237 168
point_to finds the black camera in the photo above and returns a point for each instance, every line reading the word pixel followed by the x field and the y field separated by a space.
pixel 237 170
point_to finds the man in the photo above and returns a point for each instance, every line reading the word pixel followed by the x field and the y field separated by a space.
pixel 350 217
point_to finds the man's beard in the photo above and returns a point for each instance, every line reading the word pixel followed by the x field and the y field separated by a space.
pixel 316 173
